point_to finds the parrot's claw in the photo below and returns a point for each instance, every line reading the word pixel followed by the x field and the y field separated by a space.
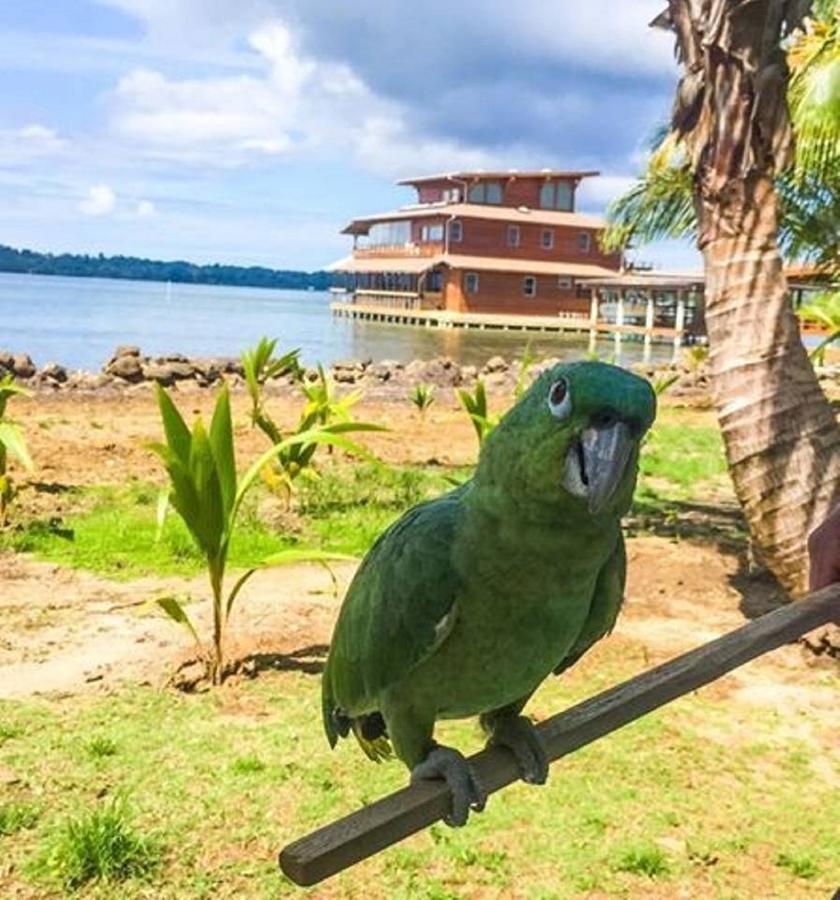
pixel 450 765
pixel 520 736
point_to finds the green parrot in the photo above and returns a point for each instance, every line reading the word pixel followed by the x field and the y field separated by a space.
pixel 468 602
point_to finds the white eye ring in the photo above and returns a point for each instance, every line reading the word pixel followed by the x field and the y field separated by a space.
pixel 560 399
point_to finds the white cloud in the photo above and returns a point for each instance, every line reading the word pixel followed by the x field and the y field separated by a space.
pixel 22 145
pixel 100 200
pixel 299 106
pixel 596 193
pixel 145 209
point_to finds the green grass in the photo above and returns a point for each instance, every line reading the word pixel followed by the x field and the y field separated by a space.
pixel 99 845
pixel 647 860
pixel 101 748
pixel 218 782
pixel 113 530
pixel 15 817
pixel 687 458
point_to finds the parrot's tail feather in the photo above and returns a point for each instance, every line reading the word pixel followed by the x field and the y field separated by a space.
pixel 336 724
pixel 376 748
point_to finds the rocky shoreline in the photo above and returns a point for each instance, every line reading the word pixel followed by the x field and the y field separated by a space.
pixel 128 369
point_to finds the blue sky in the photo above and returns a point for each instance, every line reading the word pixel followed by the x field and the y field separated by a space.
pixel 250 131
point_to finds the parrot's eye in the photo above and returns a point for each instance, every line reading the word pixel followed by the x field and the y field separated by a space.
pixel 560 399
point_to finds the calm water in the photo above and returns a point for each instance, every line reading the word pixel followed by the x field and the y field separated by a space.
pixel 79 321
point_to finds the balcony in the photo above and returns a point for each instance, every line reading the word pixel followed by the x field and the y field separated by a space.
pixel 420 249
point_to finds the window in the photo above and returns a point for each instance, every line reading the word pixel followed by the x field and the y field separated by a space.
pixel 564 199
pixel 389 234
pixel 584 242
pixel 529 286
pixel 493 192
pixel 547 195
pixel 547 239
pixel 564 283
pixel 434 281
pixel 557 195
pixel 451 195
pixel 513 235
pixel 471 282
pixel 431 233
pixel 456 231
pixel 485 192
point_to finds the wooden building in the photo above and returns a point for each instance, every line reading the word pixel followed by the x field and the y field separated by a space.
pixel 509 243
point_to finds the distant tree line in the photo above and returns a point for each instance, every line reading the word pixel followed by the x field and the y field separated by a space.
pixel 132 267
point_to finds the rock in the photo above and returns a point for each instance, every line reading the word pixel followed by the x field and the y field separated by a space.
pixel 7 361
pixel 495 364
pixel 125 350
pixel 89 381
pixel 345 376
pixel 54 372
pixel 167 373
pixel 379 371
pixel 495 381
pixel 469 373
pixel 161 373
pixel 207 371
pixel 128 368
pixel 22 366
pixel 442 372
pixel 416 370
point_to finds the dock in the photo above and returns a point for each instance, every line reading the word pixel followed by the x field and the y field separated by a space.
pixel 413 314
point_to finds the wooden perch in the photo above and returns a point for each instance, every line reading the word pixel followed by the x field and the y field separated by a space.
pixel 341 844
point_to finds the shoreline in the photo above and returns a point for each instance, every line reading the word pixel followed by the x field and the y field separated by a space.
pixel 129 370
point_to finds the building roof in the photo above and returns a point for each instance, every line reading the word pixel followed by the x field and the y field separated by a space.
pixel 514 214
pixel 654 278
pixel 501 173
pixel 417 264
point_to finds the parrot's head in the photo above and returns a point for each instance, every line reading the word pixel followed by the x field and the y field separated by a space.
pixel 572 440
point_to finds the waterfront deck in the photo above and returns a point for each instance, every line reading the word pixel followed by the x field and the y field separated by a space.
pixel 414 314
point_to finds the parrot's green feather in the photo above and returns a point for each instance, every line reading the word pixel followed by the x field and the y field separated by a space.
pixel 468 602
pixel 402 595
pixel 606 603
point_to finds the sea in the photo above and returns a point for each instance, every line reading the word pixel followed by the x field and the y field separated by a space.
pixel 78 322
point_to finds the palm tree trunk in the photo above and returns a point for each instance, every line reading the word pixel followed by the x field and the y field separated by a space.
pixel 781 438
pixel 782 441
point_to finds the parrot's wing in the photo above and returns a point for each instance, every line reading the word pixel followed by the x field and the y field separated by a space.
pixel 398 611
pixel 606 603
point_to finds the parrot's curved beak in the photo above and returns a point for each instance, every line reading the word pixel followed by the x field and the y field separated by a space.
pixel 596 462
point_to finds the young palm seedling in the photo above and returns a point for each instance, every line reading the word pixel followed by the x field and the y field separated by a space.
pixel 423 396
pixel 207 493
pixel 12 444
pixel 323 408
pixel 476 406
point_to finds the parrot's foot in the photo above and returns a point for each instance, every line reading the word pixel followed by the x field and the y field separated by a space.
pixel 467 792
pixel 520 736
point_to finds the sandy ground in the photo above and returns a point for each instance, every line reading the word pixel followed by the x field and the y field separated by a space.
pixel 67 631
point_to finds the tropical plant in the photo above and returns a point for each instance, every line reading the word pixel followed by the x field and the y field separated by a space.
pixel 12 444
pixel 207 494
pixel 323 407
pixel 529 358
pixel 259 364
pixel 476 407
pixel 731 142
pixel 423 396
pixel 823 309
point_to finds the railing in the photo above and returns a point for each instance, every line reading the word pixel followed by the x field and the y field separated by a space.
pixel 421 249
pixel 389 299
pixel 385 822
